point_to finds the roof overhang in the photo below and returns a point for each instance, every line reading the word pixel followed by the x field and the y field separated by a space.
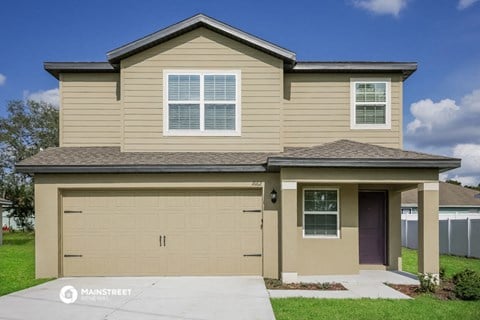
pixel 55 68
pixel 199 20
pixel 442 165
pixel 274 164
pixel 406 68
pixel 140 169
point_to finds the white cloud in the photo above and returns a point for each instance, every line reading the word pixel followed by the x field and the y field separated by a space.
pixel 49 96
pixel 445 123
pixel 392 7
pixel 3 79
pixel 449 128
pixel 463 4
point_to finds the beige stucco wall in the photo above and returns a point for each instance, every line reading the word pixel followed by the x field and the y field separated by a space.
pixel 89 109
pixel 201 49
pixel 330 256
pixel 317 110
pixel 284 248
pixel 48 188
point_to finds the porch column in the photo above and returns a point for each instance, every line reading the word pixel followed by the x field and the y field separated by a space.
pixel 394 230
pixel 289 231
pixel 428 242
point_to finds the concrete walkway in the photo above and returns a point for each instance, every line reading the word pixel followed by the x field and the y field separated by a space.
pixel 367 284
pixel 148 298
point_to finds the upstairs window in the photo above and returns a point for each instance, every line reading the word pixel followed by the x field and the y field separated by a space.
pixel 370 101
pixel 202 103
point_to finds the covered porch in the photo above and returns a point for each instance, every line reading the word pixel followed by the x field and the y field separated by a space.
pixel 341 221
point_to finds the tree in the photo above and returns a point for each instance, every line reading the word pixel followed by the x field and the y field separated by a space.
pixel 27 128
pixel 455 182
pixel 474 187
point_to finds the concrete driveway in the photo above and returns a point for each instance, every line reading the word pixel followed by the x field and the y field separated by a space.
pixel 142 298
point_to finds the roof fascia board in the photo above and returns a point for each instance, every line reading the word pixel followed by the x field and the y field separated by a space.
pixel 55 68
pixel 406 68
pixel 141 169
pixel 447 164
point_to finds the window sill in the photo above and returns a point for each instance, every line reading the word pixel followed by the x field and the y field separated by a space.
pixel 321 237
pixel 212 133
pixel 371 127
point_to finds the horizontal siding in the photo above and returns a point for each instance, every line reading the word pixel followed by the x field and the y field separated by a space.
pixel 201 49
pixel 317 110
pixel 90 112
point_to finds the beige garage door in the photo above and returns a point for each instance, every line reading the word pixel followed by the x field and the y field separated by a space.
pixel 195 232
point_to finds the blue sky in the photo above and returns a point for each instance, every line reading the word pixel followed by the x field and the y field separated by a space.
pixel 441 100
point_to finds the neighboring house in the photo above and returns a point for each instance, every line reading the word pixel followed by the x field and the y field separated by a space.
pixel 3 203
pixel 203 150
pixel 459 215
pixel 454 199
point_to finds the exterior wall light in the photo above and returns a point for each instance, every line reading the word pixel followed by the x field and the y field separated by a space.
pixel 273 195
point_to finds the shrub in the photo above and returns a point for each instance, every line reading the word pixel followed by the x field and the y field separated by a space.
pixel 443 273
pixel 428 282
pixel 467 285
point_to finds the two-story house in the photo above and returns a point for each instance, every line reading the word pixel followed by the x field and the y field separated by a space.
pixel 203 150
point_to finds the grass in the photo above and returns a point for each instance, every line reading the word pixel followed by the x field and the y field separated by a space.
pixel 17 262
pixel 452 264
pixel 424 307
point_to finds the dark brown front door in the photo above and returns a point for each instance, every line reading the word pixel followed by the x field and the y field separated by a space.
pixel 372 212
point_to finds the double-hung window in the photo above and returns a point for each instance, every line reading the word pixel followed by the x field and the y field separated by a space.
pixel 202 103
pixel 370 104
pixel 321 213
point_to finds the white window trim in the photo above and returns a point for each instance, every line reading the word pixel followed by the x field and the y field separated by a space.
pixel 306 236
pixel 388 103
pixel 202 131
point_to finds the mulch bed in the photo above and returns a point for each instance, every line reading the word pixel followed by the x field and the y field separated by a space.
pixel 444 291
pixel 275 284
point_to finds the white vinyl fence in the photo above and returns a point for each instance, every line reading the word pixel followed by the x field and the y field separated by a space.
pixel 459 233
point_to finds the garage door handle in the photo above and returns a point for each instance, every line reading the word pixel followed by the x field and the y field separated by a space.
pixel 72 211
pixel 247 211
pixel 72 255
pixel 164 240
pixel 253 255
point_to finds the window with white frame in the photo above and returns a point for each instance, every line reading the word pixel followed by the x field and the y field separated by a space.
pixel 370 104
pixel 320 213
pixel 202 103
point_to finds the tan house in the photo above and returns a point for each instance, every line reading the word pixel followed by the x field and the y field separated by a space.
pixel 452 199
pixel 203 150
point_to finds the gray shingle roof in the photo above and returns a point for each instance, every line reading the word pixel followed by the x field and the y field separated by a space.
pixel 344 153
pixel 449 195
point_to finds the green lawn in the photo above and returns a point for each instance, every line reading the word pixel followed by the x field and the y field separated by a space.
pixel 17 262
pixel 422 307
pixel 452 264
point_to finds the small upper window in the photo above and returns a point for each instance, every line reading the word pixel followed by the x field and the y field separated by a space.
pixel 370 104
pixel 320 213
pixel 202 103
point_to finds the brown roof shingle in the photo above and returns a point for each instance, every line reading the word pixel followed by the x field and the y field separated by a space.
pixel 449 195
pixel 343 153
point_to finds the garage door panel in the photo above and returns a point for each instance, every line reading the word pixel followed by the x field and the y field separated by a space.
pixel 207 232
pixel 176 220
